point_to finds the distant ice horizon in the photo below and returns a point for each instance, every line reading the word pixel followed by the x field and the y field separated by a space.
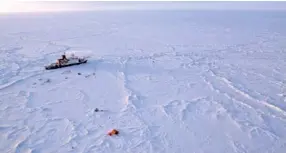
pixel 58 6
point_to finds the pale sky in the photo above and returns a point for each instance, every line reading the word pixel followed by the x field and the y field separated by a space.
pixel 7 6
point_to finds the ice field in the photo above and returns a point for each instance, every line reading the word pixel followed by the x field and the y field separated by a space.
pixel 168 81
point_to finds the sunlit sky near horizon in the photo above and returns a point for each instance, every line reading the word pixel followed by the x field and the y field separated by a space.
pixel 9 6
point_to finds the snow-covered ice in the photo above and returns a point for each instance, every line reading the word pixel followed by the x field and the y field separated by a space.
pixel 169 81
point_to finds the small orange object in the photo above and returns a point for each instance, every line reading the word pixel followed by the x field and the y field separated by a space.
pixel 113 132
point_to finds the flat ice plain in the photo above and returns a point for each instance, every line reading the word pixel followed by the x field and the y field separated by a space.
pixel 169 81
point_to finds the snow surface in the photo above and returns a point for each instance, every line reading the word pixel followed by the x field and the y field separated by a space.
pixel 169 81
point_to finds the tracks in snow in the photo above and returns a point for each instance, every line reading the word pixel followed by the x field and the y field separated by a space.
pixel 250 114
pixel 247 96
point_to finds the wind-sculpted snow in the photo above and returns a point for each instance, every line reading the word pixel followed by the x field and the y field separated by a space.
pixel 168 81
